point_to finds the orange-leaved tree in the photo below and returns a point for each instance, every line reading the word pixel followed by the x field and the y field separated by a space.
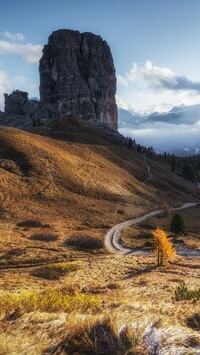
pixel 162 247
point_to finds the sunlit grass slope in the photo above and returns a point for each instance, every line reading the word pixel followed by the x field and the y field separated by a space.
pixel 67 164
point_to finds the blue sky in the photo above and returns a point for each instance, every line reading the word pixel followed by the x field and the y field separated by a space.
pixel 155 46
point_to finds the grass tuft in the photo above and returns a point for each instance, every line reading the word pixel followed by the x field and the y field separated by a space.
pixel 50 300
pixel 100 337
pixel 30 223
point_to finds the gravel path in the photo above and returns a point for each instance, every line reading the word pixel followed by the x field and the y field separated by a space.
pixel 113 237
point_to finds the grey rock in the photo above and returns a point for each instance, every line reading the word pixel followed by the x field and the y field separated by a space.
pixel 77 76
pixel 20 111
pixel 15 102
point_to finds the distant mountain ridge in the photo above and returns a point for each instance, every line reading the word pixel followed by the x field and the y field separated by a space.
pixel 178 115
pixel 176 131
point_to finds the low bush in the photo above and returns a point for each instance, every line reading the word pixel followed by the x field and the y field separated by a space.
pixel 84 242
pixel 113 286
pixel 30 223
pixel 53 271
pixel 183 293
pixel 44 237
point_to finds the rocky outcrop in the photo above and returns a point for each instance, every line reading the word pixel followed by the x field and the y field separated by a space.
pixel 20 111
pixel 77 76
pixel 15 102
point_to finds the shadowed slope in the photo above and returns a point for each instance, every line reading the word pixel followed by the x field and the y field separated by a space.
pixel 81 167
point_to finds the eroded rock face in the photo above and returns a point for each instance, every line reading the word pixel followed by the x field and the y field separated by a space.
pixel 15 102
pixel 20 111
pixel 77 76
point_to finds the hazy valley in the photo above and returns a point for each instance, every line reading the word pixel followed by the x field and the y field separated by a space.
pixel 181 124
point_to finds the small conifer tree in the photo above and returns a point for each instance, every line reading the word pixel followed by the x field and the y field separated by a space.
pixel 162 247
pixel 178 224
pixel 130 143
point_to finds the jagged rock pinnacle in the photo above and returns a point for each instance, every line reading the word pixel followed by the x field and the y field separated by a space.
pixel 77 76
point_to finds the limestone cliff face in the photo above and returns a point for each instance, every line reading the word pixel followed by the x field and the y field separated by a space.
pixel 15 102
pixel 77 76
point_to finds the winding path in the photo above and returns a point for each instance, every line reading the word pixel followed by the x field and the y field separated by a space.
pixel 113 237
pixel 148 170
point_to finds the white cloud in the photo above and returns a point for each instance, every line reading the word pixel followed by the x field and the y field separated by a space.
pixel 150 73
pixel 13 36
pixel 149 88
pixel 158 78
pixel 121 80
pixel 153 73
pixel 30 52
pixel 135 73
pixel 4 87
pixel 19 79
pixel 121 103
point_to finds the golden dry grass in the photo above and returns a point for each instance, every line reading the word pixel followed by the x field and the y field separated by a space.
pixel 70 180
pixel 56 173
pixel 143 297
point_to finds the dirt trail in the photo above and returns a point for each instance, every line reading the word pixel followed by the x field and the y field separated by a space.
pixel 148 171
pixel 113 237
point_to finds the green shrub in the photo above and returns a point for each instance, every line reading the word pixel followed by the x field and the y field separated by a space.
pixel 178 224
pixel 183 293
pixel 84 242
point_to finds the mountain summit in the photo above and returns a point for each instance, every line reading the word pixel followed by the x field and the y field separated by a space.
pixel 77 76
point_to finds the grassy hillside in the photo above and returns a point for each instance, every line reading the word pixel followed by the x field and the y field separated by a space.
pixel 62 187
pixel 68 158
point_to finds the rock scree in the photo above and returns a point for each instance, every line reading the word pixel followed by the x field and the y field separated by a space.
pixel 77 76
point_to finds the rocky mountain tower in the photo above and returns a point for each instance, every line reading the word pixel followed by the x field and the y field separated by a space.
pixel 77 76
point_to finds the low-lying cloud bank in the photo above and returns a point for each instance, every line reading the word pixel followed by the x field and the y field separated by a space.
pixel 176 131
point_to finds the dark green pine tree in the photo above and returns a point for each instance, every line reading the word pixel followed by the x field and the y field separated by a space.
pixel 139 148
pixel 173 163
pixel 189 172
pixel 130 143
pixel 178 224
